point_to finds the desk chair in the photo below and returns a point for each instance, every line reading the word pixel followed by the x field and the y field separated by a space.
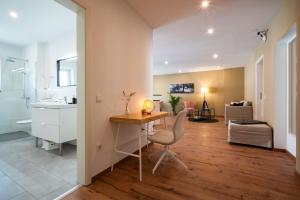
pixel 167 138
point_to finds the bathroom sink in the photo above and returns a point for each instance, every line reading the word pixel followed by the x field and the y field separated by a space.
pixel 49 104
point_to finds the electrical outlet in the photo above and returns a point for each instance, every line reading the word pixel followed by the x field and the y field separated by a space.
pixel 99 147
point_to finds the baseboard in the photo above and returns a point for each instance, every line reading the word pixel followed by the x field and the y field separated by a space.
pixel 279 150
pixel 291 155
pixel 285 151
pixel 107 170
pixel 68 192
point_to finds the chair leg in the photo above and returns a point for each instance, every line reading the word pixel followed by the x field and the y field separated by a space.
pixel 177 159
pixel 159 161
pixel 182 163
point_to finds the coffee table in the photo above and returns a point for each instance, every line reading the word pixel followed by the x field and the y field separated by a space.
pixel 204 114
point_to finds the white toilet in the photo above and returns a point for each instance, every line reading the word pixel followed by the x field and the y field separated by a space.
pixel 25 124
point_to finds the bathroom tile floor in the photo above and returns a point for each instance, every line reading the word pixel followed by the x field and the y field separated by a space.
pixel 31 173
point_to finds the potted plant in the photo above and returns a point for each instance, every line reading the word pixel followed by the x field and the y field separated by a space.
pixel 174 100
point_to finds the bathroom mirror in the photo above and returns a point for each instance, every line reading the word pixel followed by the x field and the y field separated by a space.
pixel 67 72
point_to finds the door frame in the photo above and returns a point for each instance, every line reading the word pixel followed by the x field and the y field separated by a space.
pixel 257 64
pixel 290 69
pixel 83 175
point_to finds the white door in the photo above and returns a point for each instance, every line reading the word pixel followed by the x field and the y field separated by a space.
pixel 259 108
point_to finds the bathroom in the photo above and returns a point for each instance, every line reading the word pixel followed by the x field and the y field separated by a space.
pixel 38 77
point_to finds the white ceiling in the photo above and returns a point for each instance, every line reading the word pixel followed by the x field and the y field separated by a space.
pixel 187 46
pixel 39 20
pixel 161 12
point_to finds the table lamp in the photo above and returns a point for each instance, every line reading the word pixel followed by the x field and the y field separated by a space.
pixel 147 107
pixel 204 90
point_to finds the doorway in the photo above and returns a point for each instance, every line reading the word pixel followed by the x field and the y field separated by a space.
pixel 259 111
pixel 285 93
pixel 31 165
pixel 291 95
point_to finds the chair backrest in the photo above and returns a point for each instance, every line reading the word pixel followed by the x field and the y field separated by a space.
pixel 178 128
pixel 186 104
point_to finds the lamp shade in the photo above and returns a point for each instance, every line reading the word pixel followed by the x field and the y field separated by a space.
pixel 204 89
pixel 148 105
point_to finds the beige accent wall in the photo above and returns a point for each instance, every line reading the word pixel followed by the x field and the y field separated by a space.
pixel 286 17
pixel 234 84
pixel 118 57
pixel 224 86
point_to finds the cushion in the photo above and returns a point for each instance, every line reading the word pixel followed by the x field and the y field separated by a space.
pixel 241 103
pixel 263 129
pixel 237 104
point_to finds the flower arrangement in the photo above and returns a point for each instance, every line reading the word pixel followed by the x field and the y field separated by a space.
pixel 127 98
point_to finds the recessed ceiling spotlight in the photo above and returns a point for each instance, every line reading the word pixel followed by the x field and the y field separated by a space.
pixel 166 62
pixel 13 14
pixel 210 31
pixel 205 4
pixel 215 56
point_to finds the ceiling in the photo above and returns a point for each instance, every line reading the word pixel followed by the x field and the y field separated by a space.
pixel 180 34
pixel 39 20
pixel 161 12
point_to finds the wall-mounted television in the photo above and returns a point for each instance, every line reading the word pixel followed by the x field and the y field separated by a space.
pixel 182 88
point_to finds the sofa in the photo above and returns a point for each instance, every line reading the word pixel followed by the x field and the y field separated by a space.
pixel 238 111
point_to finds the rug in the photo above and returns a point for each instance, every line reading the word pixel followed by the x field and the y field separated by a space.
pixel 203 120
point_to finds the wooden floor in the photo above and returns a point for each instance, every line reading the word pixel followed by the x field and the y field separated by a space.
pixel 217 170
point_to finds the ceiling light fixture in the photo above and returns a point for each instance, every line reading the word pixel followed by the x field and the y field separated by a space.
pixel 210 31
pixel 166 62
pixel 215 56
pixel 14 14
pixel 205 4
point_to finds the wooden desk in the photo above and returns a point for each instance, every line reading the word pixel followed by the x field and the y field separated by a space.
pixel 135 119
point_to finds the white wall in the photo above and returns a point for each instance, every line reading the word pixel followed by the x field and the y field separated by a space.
pixel 62 47
pixel 10 50
pixel 274 74
pixel 118 57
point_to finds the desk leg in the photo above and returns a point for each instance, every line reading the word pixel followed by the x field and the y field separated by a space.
pixel 147 132
pixel 140 155
pixel 115 147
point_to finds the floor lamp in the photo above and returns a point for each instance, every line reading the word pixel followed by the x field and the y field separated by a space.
pixel 205 104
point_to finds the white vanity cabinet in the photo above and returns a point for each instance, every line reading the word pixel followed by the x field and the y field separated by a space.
pixel 54 123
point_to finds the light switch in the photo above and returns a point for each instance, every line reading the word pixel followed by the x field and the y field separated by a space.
pixel 99 99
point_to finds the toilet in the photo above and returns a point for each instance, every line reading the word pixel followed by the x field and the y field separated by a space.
pixel 25 125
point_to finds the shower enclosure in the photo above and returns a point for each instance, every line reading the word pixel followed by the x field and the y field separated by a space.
pixel 16 93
